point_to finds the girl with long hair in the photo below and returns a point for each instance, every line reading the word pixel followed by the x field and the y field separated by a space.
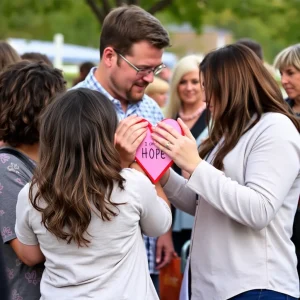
pixel 87 213
pixel 244 183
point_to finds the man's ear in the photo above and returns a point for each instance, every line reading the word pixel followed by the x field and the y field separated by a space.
pixel 109 57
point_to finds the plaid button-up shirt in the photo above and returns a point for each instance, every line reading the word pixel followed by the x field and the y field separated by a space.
pixel 149 110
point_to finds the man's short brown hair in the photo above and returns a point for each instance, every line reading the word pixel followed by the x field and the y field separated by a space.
pixel 127 25
pixel 25 89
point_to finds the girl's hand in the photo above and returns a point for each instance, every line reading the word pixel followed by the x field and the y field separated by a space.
pixel 182 149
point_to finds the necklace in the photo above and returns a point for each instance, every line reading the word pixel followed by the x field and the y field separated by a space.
pixel 192 116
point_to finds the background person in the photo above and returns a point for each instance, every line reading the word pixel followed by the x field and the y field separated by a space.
pixel 37 57
pixel 257 49
pixel 166 74
pixel 158 91
pixel 288 63
pixel 8 55
pixel 25 90
pixel 84 70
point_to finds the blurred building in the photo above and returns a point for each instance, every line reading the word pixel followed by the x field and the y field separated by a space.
pixel 68 53
pixel 185 40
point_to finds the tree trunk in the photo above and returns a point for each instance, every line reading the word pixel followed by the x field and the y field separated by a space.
pixel 159 5
pixel 103 8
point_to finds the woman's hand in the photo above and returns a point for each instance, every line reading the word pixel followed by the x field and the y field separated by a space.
pixel 182 149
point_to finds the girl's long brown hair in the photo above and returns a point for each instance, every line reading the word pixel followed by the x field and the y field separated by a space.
pixel 240 89
pixel 78 164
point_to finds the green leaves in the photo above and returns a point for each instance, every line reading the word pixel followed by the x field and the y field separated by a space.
pixel 41 19
pixel 273 23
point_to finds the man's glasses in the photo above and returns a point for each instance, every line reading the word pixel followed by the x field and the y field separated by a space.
pixel 145 71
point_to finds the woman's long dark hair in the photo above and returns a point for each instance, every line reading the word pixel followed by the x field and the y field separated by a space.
pixel 239 88
pixel 78 164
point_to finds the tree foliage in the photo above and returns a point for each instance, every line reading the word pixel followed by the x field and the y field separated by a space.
pixel 273 23
pixel 41 19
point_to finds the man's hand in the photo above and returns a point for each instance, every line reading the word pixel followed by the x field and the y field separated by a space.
pixel 129 135
pixel 164 250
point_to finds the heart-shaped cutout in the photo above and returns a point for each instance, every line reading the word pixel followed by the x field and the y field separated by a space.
pixel 151 159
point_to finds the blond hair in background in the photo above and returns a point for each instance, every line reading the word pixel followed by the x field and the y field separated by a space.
pixel 156 88
pixel 158 85
pixel 289 56
pixel 185 65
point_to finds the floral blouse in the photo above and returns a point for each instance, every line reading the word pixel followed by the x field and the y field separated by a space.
pixel 24 281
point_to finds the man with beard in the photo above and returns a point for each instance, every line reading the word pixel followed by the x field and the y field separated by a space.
pixel 132 42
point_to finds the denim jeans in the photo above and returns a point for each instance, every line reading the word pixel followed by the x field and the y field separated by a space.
pixel 262 295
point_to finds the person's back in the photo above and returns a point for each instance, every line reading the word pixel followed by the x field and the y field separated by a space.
pixel 114 265
pixel 91 232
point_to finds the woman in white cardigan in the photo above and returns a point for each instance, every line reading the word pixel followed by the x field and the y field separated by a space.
pixel 246 176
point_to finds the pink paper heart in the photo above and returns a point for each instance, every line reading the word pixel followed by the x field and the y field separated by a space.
pixel 151 159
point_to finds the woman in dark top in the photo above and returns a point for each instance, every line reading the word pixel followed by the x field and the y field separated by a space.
pixel 288 63
pixel 186 102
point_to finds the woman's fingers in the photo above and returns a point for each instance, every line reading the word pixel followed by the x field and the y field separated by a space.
pixel 164 135
pixel 185 129
pixel 163 142
pixel 172 132
pixel 168 151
